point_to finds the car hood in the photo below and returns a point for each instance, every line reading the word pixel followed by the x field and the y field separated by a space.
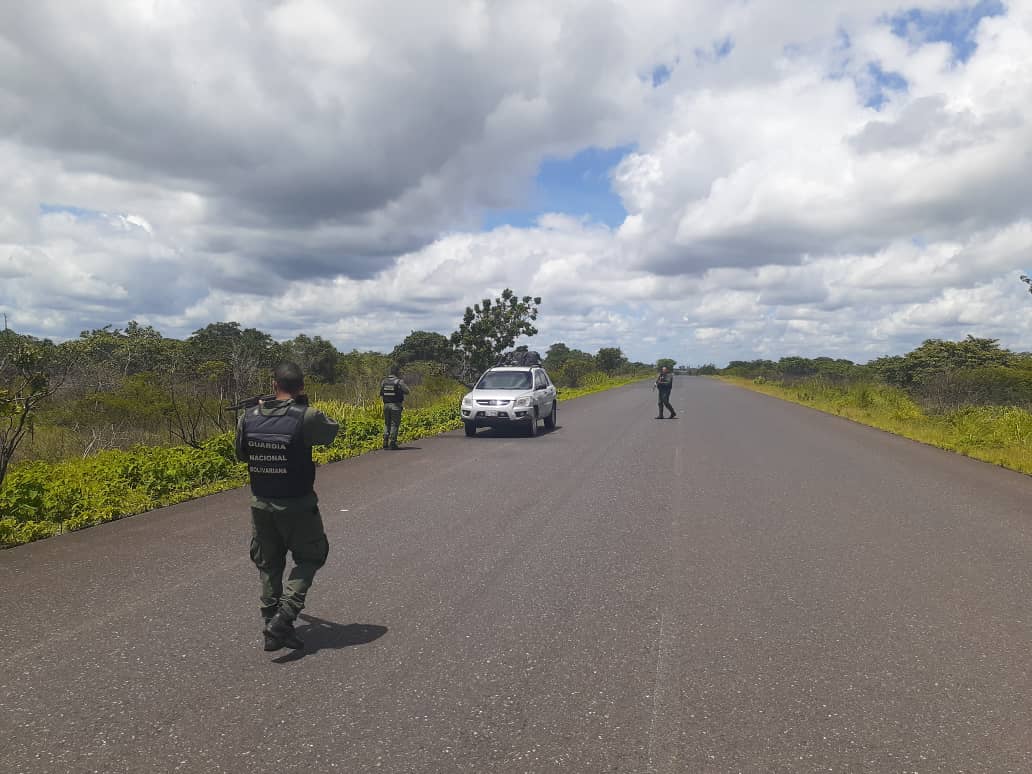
pixel 506 395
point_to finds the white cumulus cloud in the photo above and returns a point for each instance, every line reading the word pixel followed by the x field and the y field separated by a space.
pixel 804 179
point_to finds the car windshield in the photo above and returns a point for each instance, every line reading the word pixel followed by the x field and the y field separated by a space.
pixel 505 380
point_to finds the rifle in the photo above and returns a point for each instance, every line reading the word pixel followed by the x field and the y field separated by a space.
pixel 247 403
pixel 254 400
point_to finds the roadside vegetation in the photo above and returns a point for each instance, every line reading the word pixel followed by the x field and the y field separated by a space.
pixel 121 421
pixel 970 396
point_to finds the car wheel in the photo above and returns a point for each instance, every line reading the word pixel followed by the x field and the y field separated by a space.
pixel 550 419
pixel 471 428
pixel 532 428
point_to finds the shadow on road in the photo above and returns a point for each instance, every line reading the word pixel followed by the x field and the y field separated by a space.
pixel 319 634
pixel 513 432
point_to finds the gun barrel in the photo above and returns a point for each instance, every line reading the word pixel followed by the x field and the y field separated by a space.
pixel 247 403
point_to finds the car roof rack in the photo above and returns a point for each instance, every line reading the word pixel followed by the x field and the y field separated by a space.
pixel 519 357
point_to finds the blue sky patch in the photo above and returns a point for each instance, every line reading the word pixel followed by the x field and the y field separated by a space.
pixel 880 82
pixel 719 49
pixel 955 27
pixel 577 186
pixel 77 212
pixel 660 75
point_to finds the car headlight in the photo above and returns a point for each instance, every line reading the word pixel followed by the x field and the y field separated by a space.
pixel 467 401
pixel 526 400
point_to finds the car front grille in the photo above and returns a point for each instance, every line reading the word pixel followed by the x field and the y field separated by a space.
pixel 493 402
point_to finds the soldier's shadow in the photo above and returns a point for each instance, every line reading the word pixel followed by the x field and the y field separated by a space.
pixel 320 634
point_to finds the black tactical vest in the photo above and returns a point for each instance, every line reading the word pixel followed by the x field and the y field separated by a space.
pixel 279 463
pixel 391 391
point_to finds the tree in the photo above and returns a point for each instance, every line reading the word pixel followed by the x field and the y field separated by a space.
pixel 316 356
pixel 105 357
pixel 796 366
pixel 238 361
pixel 491 327
pixel 361 373
pixel 610 359
pixel 30 372
pixel 666 362
pixel 424 346
pixel 559 355
pixel 936 358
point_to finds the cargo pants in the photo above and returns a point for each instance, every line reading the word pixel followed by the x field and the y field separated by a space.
pixel 278 526
pixel 664 400
pixel 391 422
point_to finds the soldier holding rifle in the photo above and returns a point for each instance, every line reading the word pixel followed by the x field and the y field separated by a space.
pixel 393 391
pixel 665 383
pixel 275 437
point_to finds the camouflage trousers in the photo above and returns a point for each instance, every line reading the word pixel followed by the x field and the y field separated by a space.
pixel 279 526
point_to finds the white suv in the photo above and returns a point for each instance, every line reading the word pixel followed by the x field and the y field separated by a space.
pixel 511 395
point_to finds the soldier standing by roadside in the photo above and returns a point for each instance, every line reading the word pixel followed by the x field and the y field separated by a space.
pixel 275 439
pixel 393 391
pixel 665 383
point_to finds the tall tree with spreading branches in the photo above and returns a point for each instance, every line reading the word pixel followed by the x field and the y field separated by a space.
pixel 491 327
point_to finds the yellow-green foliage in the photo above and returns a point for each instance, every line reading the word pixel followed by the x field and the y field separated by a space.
pixel 596 381
pixel 39 499
pixel 364 425
pixel 44 498
pixel 998 434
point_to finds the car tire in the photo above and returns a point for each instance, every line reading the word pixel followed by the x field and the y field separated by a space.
pixel 470 428
pixel 550 419
pixel 532 426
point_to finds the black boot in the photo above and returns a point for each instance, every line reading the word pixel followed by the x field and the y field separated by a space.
pixel 271 643
pixel 394 445
pixel 281 630
pixel 267 612
pixel 385 441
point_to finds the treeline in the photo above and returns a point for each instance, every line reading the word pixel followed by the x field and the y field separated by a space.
pixel 113 388
pixel 939 375
pixel 572 367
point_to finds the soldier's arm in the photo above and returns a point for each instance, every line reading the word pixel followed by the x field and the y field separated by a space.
pixel 318 429
pixel 404 387
pixel 241 452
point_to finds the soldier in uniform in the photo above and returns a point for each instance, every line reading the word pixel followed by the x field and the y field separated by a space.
pixel 393 391
pixel 275 439
pixel 665 383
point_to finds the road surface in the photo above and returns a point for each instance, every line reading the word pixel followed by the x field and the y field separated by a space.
pixel 751 587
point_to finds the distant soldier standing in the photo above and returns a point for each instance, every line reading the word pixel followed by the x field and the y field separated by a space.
pixel 275 439
pixel 665 383
pixel 393 391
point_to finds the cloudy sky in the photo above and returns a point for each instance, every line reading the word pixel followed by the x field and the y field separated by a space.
pixel 700 180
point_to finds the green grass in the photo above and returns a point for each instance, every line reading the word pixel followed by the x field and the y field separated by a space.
pixel 42 498
pixel 1001 435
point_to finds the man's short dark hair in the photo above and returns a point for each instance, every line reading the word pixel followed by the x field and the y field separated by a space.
pixel 394 370
pixel 289 377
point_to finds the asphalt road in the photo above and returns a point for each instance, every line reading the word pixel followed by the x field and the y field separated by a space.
pixel 751 587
